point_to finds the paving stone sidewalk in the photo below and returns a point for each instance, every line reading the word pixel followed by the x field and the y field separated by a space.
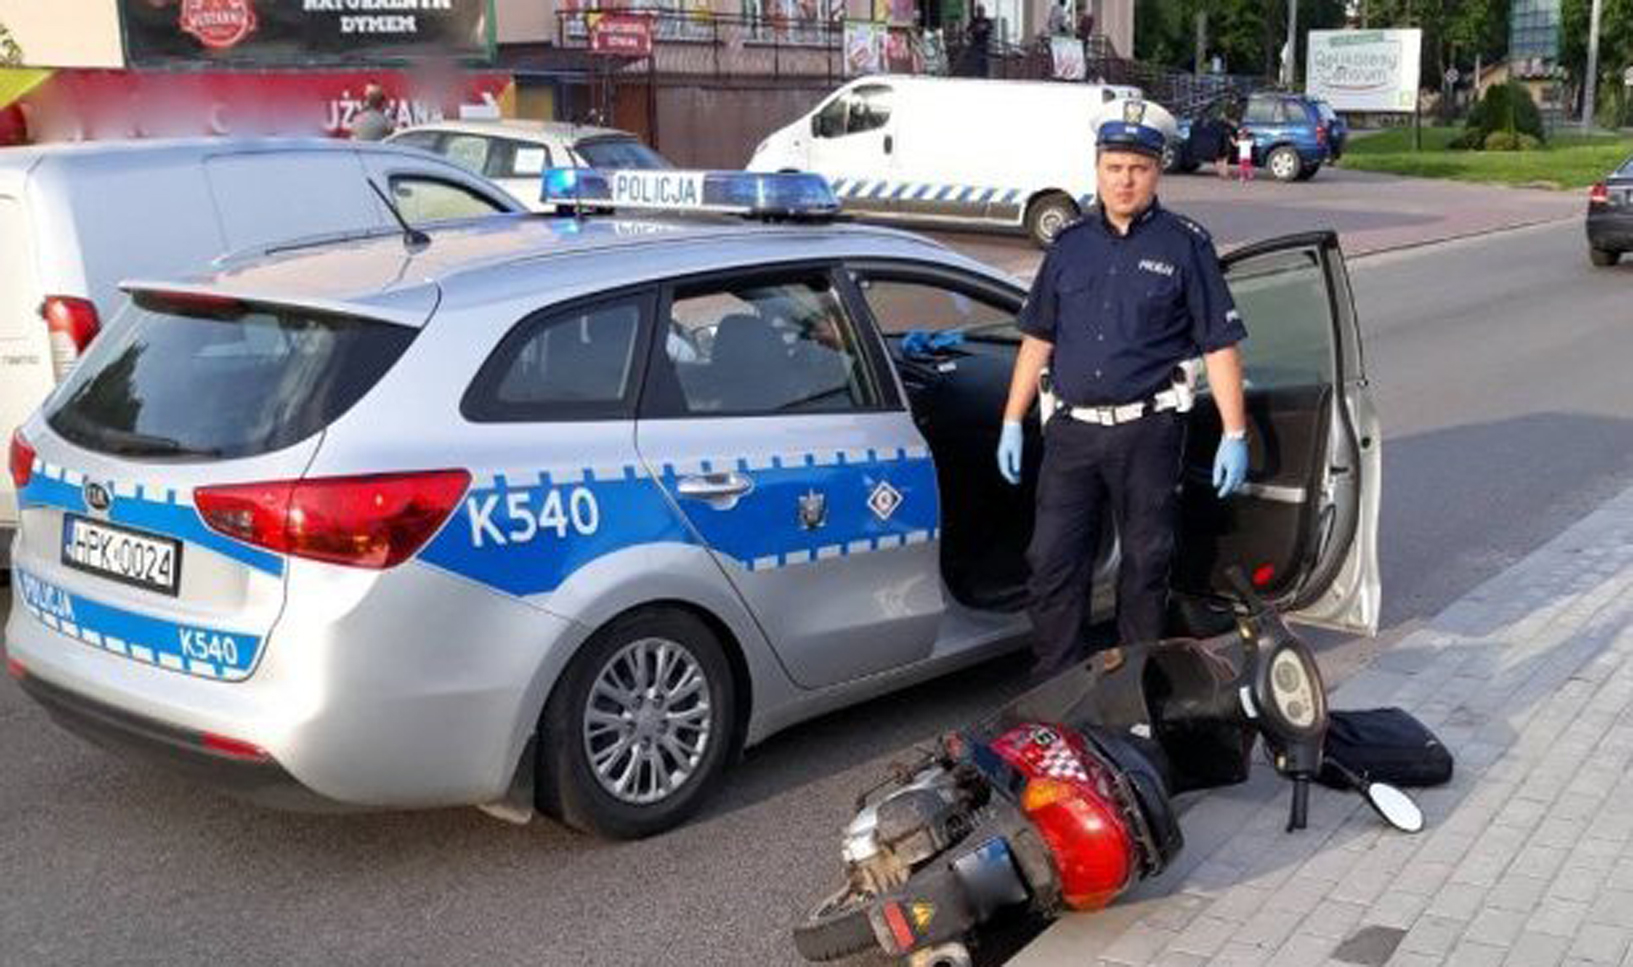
pixel 1527 858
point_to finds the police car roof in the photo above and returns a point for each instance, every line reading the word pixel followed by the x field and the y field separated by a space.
pixel 523 127
pixel 497 257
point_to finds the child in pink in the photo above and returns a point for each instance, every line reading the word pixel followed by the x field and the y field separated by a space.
pixel 1244 156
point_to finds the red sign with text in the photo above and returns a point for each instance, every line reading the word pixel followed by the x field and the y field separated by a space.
pixel 626 35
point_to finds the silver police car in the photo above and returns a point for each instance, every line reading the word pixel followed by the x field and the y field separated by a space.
pixel 567 511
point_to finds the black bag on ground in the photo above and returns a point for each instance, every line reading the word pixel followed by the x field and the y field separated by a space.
pixel 1384 745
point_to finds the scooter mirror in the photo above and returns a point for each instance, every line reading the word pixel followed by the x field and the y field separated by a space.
pixel 1396 807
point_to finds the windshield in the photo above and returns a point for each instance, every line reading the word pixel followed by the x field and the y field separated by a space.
pixel 620 153
pixel 227 380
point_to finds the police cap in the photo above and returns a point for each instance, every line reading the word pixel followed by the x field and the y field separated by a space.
pixel 1130 132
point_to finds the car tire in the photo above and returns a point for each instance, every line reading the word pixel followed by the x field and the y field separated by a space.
pixel 628 703
pixel 837 927
pixel 1604 258
pixel 1307 172
pixel 1284 163
pixel 1170 157
pixel 1048 216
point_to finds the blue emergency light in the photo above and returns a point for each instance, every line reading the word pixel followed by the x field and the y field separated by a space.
pixel 755 194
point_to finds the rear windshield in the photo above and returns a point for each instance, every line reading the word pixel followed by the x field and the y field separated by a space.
pixel 619 153
pixel 220 381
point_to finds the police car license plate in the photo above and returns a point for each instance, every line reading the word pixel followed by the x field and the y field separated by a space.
pixel 145 560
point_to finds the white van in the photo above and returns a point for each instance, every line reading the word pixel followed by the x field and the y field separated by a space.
pixel 1018 154
pixel 76 220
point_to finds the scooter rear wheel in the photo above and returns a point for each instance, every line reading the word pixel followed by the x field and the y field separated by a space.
pixel 837 927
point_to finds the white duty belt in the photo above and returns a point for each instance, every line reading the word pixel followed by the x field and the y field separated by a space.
pixel 1180 396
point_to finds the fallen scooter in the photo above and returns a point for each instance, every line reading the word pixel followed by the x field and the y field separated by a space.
pixel 1064 799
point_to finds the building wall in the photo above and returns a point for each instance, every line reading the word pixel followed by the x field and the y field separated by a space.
pixel 531 21
pixel 65 33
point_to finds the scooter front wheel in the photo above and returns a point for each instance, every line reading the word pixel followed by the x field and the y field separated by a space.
pixel 837 927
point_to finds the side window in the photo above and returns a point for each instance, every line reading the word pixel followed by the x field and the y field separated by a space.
pixel 865 108
pixel 426 140
pixel 870 109
pixel 762 346
pixel 576 363
pixel 1262 110
pixel 469 151
pixel 1283 299
pixel 517 159
pixel 422 200
pixel 899 305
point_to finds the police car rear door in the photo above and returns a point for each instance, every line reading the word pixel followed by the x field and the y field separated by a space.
pixel 1305 524
pixel 772 419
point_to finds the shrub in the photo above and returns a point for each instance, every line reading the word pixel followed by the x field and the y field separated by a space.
pixel 1511 141
pixel 1472 139
pixel 1506 107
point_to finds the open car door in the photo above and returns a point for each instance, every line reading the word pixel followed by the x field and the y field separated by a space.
pixel 1305 525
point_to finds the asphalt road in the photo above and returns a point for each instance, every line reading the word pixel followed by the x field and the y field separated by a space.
pixel 1500 371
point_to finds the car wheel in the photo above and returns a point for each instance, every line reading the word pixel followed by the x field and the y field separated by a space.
pixel 1603 257
pixel 638 729
pixel 1047 216
pixel 1284 163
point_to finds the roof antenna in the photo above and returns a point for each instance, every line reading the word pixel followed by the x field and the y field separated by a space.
pixel 413 239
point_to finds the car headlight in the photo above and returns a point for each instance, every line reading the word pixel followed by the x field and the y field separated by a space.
pixel 1292 689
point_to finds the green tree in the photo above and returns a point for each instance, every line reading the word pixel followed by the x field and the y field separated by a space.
pixel 1615 50
pixel 1454 31
pixel 1246 34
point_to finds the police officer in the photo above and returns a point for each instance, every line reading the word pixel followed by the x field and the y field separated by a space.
pixel 1125 295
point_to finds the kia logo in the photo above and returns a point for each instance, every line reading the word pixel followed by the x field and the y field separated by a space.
pixel 97 496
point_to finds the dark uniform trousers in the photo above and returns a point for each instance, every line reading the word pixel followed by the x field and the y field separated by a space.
pixel 1131 470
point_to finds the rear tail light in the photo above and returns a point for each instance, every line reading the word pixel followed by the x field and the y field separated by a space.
pixel 376 521
pixel 1599 194
pixel 72 323
pixel 20 460
pixel 16 669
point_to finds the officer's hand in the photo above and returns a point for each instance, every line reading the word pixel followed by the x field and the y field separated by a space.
pixel 1009 452
pixel 1229 466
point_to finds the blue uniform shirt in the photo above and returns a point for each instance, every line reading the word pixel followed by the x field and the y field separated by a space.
pixel 1123 310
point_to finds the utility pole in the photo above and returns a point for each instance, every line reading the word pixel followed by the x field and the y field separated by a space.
pixel 1290 68
pixel 1592 80
pixel 1201 39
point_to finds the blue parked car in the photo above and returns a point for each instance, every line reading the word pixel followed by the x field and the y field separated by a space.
pixel 1290 138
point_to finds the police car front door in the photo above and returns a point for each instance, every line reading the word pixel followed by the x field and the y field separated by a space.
pixel 1304 527
pixel 772 421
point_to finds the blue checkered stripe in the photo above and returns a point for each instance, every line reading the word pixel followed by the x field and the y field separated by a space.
pixel 189 649
pixel 921 191
pixel 156 509
pixel 527 531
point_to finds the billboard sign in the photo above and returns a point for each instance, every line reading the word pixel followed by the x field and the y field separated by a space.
pixel 304 32
pixel 1365 70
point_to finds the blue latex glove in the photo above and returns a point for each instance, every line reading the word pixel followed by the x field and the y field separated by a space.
pixel 1229 466
pixel 921 342
pixel 1009 452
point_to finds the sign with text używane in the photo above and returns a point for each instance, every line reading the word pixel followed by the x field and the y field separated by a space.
pixel 1365 70
pixel 305 32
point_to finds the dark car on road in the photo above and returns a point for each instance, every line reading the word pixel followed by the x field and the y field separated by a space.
pixel 1610 216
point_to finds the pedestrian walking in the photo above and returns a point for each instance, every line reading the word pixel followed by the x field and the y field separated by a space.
pixel 978 39
pixel 372 123
pixel 1126 296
